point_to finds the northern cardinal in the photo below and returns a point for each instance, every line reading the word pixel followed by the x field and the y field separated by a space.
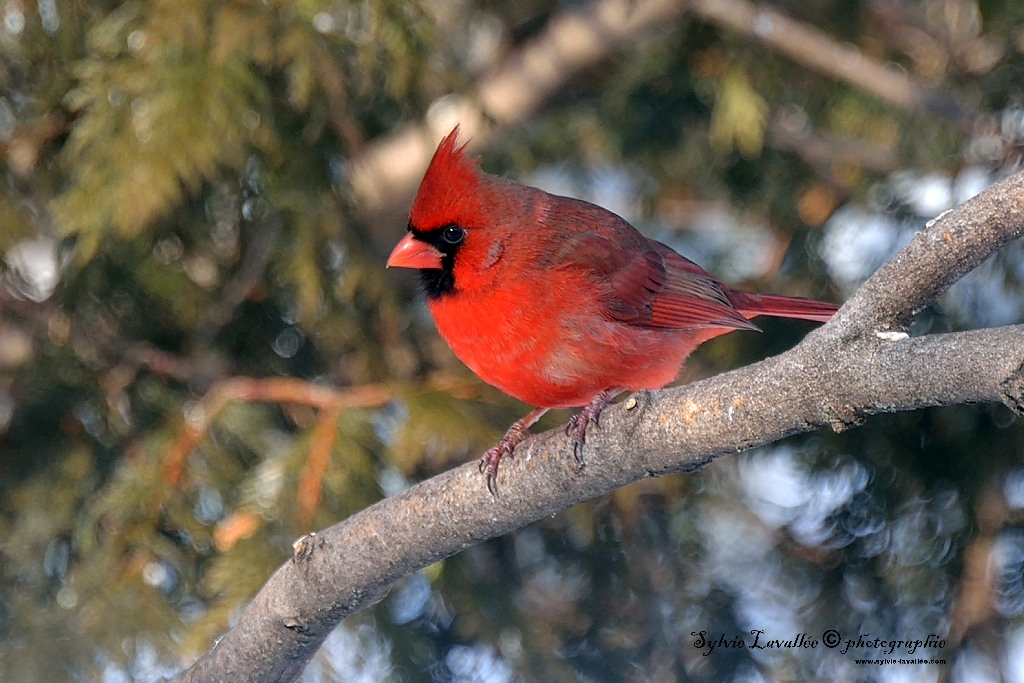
pixel 556 301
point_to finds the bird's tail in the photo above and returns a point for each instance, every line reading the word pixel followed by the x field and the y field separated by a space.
pixel 752 305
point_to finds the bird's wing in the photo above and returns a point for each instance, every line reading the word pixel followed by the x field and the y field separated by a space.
pixel 692 297
pixel 647 284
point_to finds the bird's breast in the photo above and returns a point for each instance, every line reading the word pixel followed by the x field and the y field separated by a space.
pixel 554 348
pixel 508 341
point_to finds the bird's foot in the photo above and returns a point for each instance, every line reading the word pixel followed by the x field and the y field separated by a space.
pixel 515 435
pixel 577 427
pixel 492 458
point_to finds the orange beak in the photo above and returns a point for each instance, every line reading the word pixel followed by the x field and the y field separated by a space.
pixel 412 253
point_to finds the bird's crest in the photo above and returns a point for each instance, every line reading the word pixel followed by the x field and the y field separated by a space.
pixel 449 192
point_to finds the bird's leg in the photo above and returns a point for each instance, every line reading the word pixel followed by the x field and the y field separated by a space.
pixel 591 412
pixel 513 437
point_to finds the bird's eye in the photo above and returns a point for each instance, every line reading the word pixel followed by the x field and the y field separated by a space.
pixel 453 234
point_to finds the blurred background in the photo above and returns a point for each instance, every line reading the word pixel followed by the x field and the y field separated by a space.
pixel 202 356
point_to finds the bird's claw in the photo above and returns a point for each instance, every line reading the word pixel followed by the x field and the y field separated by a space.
pixel 577 429
pixel 591 413
pixel 515 435
pixel 489 465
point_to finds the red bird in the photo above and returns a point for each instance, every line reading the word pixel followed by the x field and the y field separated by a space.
pixel 556 301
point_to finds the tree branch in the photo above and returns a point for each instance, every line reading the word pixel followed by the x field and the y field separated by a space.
pixel 392 166
pixel 819 51
pixel 855 366
pixel 507 95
